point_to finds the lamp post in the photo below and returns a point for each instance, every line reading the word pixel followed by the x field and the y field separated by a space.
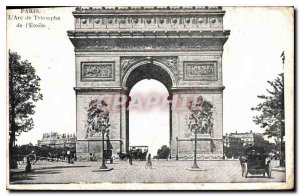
pixel 103 129
pixel 195 165
pixel 177 148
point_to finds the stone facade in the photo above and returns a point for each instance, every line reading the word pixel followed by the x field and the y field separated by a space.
pixel 247 138
pixel 179 46
pixel 54 139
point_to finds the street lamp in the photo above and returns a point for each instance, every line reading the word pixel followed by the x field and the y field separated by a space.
pixel 195 165
pixel 103 130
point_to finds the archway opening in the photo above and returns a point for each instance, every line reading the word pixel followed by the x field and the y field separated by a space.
pixel 149 126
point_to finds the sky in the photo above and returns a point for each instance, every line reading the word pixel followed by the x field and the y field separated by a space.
pixel 251 57
pixel 149 128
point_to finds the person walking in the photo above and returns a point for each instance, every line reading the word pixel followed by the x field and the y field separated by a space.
pixel 130 158
pixel 149 163
pixel 69 156
pixel 28 164
pixel 34 156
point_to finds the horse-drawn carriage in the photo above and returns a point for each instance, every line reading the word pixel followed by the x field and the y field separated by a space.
pixel 139 152
pixel 255 162
pixel 135 152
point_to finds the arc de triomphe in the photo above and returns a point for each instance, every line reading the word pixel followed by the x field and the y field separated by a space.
pixel 179 46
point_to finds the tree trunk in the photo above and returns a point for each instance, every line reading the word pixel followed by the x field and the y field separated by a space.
pixel 282 152
pixel 12 132
pixel 12 137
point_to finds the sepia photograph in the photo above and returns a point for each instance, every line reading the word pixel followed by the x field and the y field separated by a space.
pixel 150 98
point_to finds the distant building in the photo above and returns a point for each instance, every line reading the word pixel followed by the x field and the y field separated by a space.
pixel 232 141
pixel 247 139
pixel 235 143
pixel 259 140
pixel 54 139
pixel 233 146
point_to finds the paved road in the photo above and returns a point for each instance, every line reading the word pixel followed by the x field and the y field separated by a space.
pixel 162 171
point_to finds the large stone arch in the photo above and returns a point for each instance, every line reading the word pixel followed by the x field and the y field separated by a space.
pixel 181 46
pixel 152 66
pixel 148 68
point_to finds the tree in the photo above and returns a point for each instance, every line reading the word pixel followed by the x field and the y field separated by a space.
pixel 24 90
pixel 163 152
pixel 271 117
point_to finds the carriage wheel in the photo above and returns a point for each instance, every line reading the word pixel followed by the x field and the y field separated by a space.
pixel 245 170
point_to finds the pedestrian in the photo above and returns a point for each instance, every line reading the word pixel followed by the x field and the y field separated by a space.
pixel 149 160
pixel 130 158
pixel 34 156
pixel 28 165
pixel 69 156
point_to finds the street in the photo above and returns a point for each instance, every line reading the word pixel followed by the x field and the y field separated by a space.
pixel 163 171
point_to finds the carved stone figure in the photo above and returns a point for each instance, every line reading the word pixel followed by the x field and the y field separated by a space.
pixel 97 71
pixel 98 115
pixel 200 116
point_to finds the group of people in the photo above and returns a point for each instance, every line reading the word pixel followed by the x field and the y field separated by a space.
pixel 68 156
pixel 149 162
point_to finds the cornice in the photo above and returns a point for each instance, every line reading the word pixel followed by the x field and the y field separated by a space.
pixel 144 41
pixel 141 33
pixel 147 9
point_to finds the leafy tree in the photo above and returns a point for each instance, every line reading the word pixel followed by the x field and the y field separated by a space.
pixel 24 90
pixel 163 152
pixel 271 117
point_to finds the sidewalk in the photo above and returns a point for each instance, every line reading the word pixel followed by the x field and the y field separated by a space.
pixel 279 169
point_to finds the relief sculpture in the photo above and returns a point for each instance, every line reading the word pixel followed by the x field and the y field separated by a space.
pixel 194 70
pixel 97 71
pixel 200 70
pixel 200 117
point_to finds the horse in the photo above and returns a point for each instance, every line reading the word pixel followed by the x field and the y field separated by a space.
pixel 123 156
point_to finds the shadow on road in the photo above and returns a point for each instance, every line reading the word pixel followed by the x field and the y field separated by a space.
pixel 63 167
pixel 259 177
pixel 23 175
